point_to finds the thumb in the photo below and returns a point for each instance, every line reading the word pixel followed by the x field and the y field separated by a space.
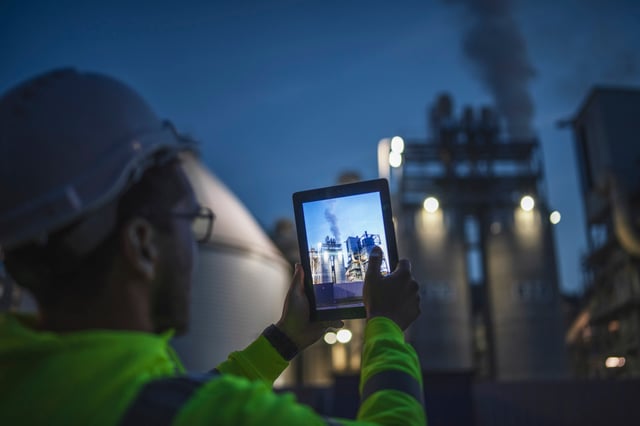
pixel 375 260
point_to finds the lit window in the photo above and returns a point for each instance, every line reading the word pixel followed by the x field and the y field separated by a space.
pixel 615 362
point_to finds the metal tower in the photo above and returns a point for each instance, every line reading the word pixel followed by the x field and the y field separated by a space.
pixel 483 231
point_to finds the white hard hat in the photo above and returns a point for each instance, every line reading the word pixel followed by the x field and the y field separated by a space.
pixel 70 143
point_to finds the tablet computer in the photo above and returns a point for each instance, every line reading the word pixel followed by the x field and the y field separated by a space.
pixel 337 227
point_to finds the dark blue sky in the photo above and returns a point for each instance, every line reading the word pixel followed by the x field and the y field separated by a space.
pixel 285 95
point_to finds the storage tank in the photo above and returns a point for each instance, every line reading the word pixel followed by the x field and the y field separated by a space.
pixel 524 298
pixel 240 281
pixel 434 242
pixel 331 262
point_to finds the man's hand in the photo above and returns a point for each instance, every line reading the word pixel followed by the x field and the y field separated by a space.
pixel 295 321
pixel 394 296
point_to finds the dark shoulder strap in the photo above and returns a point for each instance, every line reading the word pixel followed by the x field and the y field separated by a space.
pixel 160 400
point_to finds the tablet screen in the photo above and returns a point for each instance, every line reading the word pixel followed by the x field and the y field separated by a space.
pixel 339 233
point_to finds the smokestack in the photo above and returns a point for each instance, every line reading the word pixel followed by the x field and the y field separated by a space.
pixel 494 44
pixel 333 220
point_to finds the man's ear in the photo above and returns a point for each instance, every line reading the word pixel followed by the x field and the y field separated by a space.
pixel 140 248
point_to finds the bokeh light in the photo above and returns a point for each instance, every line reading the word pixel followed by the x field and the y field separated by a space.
pixel 395 159
pixel 344 336
pixel 527 203
pixel 397 144
pixel 330 338
pixel 431 204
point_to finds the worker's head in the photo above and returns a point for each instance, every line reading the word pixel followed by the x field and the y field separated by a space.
pixel 92 193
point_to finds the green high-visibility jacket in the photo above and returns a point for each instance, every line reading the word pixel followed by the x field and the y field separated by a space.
pixel 93 377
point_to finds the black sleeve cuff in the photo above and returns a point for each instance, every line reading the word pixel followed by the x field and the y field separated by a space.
pixel 281 342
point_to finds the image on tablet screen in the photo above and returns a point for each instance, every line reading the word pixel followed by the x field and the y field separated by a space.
pixel 341 232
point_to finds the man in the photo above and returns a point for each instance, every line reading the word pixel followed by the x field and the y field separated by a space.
pixel 96 221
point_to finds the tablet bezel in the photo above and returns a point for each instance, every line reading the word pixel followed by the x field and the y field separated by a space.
pixel 380 186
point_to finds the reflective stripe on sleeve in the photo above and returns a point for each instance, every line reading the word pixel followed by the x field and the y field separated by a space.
pixel 159 401
pixel 393 380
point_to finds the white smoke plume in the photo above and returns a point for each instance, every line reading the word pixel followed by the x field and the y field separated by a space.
pixel 333 220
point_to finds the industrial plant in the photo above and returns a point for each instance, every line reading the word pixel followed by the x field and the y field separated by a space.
pixel 472 215
pixel 338 270
pixel 605 337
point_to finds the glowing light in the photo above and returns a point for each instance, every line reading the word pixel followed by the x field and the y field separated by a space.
pixel 527 225
pixel 383 158
pixel 527 203
pixel 326 256
pixel 330 338
pixel 344 336
pixel 555 217
pixel 397 144
pixel 395 159
pixel 613 326
pixel 430 226
pixel 431 204
pixel 615 362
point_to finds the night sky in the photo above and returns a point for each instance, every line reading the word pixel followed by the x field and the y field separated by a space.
pixel 286 95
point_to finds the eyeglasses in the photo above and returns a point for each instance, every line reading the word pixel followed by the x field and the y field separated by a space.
pixel 201 222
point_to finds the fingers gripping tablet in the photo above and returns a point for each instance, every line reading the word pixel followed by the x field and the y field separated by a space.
pixel 337 227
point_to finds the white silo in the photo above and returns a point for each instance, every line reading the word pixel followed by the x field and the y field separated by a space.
pixel 240 280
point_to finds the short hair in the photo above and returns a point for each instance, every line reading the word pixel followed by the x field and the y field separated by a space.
pixel 52 273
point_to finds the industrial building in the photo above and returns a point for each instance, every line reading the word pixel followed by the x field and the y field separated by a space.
pixel 338 269
pixel 471 213
pixel 605 337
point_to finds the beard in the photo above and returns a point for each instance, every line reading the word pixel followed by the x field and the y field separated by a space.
pixel 170 308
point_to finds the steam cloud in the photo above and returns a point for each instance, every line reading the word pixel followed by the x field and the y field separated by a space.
pixel 333 220
pixel 495 45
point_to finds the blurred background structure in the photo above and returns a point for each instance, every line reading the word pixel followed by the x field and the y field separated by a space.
pixel 605 337
pixel 498 341
pixel 472 212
